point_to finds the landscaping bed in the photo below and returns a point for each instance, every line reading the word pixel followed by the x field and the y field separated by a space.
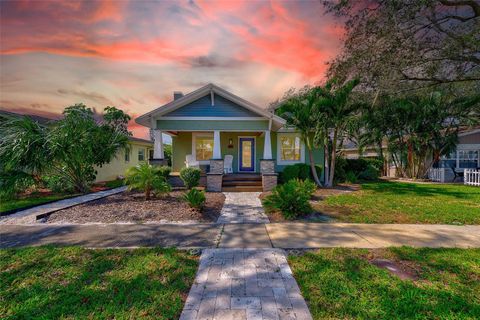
pixel 132 207
pixel 348 284
pixel 76 283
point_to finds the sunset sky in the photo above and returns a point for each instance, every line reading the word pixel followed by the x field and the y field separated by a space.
pixel 134 54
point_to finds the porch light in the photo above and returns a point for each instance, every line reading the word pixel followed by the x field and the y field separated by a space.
pixel 230 143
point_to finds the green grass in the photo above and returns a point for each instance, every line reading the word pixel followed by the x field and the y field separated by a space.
pixel 397 202
pixel 75 283
pixel 32 200
pixel 342 284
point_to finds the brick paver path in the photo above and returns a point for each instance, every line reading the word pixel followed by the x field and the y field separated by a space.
pixel 242 207
pixel 244 284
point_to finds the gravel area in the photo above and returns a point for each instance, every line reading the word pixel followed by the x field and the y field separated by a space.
pixel 132 207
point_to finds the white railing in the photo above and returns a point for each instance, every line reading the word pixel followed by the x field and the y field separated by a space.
pixel 436 174
pixel 471 177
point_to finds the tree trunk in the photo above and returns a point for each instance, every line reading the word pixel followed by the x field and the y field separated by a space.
pixel 334 156
pixel 312 167
pixel 147 193
pixel 327 160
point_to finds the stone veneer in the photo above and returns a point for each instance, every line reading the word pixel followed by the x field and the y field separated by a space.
pixel 269 181
pixel 215 176
pixel 267 166
pixel 158 162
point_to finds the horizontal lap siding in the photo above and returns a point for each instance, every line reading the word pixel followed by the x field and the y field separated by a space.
pixel 203 108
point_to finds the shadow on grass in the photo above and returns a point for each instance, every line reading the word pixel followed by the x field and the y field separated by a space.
pixel 50 283
pixel 341 283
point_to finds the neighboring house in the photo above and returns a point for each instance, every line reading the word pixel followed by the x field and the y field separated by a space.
pixel 210 123
pixel 466 156
pixel 139 150
pixel 41 120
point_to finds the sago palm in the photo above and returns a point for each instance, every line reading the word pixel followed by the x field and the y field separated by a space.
pixel 147 178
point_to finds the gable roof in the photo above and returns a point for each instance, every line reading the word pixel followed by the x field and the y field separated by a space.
pixel 145 119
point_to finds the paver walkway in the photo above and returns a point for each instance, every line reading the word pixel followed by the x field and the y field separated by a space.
pixel 244 284
pixel 30 215
pixel 242 207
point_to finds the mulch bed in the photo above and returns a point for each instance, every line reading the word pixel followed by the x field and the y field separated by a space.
pixel 132 207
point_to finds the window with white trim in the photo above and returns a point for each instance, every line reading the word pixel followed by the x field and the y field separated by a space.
pixel 141 155
pixel 203 148
pixel 290 148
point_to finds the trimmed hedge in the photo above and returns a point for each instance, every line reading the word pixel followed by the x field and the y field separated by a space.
pixel 363 168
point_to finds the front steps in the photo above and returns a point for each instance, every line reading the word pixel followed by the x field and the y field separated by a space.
pixel 242 182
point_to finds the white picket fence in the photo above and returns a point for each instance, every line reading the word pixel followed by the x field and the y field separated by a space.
pixel 436 174
pixel 471 177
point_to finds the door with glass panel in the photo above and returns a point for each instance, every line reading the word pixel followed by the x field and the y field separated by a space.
pixel 246 155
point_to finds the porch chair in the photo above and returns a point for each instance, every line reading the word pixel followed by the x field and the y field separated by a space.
pixel 227 164
pixel 455 173
pixel 190 161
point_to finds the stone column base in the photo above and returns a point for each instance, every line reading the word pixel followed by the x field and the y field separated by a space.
pixel 267 166
pixel 269 181
pixel 214 182
pixel 216 166
pixel 158 162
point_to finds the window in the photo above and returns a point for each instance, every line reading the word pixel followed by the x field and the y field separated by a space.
pixel 290 148
pixel 127 155
pixel 468 158
pixel 150 154
pixel 203 148
pixel 141 155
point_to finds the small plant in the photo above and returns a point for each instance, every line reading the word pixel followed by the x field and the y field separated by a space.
pixel 57 183
pixel 291 198
pixel 164 171
pixel 190 177
pixel 147 178
pixel 351 177
pixel 195 198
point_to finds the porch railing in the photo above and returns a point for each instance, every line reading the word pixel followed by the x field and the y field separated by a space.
pixel 471 177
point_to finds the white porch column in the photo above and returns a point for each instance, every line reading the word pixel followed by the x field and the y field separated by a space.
pixel 217 154
pixel 157 145
pixel 267 146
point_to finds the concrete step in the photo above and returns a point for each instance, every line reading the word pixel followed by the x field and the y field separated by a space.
pixel 242 176
pixel 243 189
pixel 234 183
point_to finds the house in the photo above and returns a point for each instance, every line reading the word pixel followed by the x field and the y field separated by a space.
pixel 139 150
pixel 211 123
pixel 465 156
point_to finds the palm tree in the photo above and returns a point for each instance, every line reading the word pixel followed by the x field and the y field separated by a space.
pixel 147 178
pixel 299 109
pixel 335 112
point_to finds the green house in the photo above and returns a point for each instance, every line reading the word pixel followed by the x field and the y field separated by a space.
pixel 232 140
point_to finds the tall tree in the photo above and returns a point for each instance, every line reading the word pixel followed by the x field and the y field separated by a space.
pixel 299 108
pixel 409 44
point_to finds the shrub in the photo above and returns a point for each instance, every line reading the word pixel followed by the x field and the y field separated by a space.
pixel 351 177
pixel 291 198
pixel 370 173
pixel 190 177
pixel 147 178
pixel 13 183
pixel 340 169
pixel 164 171
pixel 195 198
pixel 57 183
pixel 300 171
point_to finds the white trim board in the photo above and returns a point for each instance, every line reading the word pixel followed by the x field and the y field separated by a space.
pixel 288 162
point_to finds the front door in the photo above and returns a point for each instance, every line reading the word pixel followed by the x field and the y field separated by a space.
pixel 247 155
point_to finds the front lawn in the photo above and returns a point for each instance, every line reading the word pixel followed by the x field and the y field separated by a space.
pixel 343 284
pixel 29 201
pixel 76 283
pixel 403 202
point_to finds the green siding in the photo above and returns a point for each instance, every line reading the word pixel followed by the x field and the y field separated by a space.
pixel 209 125
pixel 182 145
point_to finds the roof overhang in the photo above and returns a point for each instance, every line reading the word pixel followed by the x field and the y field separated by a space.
pixel 148 119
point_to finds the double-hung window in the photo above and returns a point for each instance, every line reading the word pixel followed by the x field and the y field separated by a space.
pixel 203 148
pixel 290 148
